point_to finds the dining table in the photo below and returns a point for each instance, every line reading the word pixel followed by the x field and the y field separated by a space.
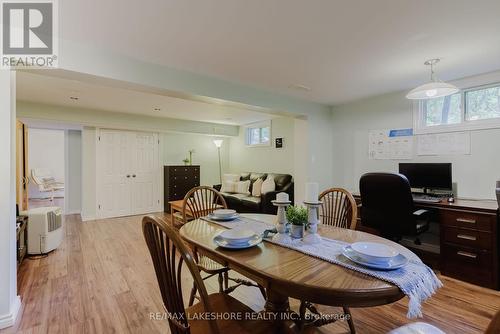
pixel 286 273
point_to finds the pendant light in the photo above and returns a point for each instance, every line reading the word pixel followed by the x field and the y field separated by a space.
pixel 433 89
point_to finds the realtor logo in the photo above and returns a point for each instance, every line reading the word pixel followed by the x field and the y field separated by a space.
pixel 29 34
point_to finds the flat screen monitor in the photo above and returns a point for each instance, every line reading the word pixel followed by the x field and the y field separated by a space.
pixel 427 175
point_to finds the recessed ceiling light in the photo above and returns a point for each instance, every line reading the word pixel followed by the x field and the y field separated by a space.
pixel 300 87
pixel 156 109
pixel 74 98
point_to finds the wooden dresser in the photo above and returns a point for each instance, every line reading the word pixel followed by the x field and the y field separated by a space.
pixel 469 240
pixel 178 180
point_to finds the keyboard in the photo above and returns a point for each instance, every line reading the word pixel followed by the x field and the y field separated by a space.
pixel 425 199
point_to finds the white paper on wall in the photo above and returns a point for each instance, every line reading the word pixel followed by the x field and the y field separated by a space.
pixel 396 144
pixel 453 143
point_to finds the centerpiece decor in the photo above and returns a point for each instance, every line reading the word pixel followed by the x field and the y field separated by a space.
pixel 312 203
pixel 282 201
pixel 297 217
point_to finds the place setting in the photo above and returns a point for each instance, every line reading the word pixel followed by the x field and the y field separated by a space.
pixel 374 255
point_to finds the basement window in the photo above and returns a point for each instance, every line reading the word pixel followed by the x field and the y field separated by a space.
pixel 470 109
pixel 258 134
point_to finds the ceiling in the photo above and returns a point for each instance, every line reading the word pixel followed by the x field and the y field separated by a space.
pixel 58 91
pixel 342 50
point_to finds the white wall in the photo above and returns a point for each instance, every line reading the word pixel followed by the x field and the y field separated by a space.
pixel 73 183
pixel 88 173
pixel 475 174
pixel 176 147
pixel 9 301
pixel 265 158
pixel 45 151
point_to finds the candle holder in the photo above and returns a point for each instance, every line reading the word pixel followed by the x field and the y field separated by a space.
pixel 312 236
pixel 281 223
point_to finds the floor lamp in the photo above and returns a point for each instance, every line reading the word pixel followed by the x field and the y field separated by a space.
pixel 218 144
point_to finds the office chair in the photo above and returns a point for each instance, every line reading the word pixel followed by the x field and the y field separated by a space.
pixel 387 205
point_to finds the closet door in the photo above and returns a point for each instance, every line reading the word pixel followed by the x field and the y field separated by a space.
pixel 128 173
pixel 146 178
pixel 113 174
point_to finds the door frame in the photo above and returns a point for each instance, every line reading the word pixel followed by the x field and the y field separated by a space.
pixel 98 148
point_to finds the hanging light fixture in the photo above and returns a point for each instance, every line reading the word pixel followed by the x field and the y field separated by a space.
pixel 433 89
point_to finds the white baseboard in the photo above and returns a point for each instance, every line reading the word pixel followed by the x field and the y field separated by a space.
pixel 74 212
pixel 9 319
pixel 87 218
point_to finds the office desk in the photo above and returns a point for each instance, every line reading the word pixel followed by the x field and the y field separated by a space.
pixel 469 239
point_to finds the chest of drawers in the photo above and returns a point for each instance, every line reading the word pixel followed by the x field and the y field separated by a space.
pixel 178 180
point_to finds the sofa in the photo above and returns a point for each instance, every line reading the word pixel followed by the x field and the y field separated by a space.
pixel 246 203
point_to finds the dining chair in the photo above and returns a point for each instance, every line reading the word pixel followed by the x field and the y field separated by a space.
pixel 338 209
pixel 199 202
pixel 169 253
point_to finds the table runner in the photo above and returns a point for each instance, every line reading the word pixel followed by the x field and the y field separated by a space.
pixel 416 280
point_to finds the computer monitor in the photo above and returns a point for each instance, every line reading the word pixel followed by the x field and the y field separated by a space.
pixel 427 175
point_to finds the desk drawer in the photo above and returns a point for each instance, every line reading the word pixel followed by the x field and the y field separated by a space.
pixel 468 237
pixel 468 264
pixel 476 221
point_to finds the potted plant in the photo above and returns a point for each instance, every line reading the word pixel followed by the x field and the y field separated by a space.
pixel 297 217
pixel 186 161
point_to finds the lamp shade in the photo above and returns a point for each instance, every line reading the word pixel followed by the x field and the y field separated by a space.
pixel 432 90
pixel 218 142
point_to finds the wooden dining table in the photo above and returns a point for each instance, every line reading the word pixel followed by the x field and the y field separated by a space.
pixel 287 273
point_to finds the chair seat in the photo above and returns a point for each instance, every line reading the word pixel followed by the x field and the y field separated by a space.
pixel 222 303
pixel 209 265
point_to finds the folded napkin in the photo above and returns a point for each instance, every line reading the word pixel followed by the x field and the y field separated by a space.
pixel 415 279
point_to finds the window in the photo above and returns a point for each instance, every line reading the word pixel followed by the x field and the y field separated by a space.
pixel 473 108
pixel 258 134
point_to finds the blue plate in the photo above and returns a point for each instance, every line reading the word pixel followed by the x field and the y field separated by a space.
pixel 254 241
pixel 222 219
pixel 394 263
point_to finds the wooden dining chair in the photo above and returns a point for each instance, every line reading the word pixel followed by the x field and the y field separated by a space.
pixel 339 209
pixel 169 253
pixel 199 202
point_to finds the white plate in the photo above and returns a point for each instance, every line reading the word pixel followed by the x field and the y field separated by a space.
pixel 213 217
pixel 394 263
pixel 374 251
pixel 224 213
pixel 254 241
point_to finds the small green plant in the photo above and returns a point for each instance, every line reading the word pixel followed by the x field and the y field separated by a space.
pixel 296 215
pixel 186 161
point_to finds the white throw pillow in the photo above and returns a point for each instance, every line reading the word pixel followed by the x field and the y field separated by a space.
pixel 257 187
pixel 243 187
pixel 268 185
pixel 229 183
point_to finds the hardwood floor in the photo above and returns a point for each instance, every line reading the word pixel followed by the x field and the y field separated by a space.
pixel 101 280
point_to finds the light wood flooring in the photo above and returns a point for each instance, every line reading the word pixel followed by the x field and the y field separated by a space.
pixel 101 280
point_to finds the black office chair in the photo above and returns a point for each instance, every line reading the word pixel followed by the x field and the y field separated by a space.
pixel 387 205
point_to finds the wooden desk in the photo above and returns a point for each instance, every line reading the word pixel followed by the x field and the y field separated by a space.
pixel 469 239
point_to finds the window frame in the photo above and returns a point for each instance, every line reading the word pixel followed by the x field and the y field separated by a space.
pixel 420 127
pixel 260 126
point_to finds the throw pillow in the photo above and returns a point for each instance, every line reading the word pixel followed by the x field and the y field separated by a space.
pixel 242 187
pixel 268 185
pixel 229 183
pixel 257 187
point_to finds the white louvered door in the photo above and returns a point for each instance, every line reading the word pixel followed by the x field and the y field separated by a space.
pixel 128 173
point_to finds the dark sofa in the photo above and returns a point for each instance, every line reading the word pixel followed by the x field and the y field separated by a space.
pixel 249 204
